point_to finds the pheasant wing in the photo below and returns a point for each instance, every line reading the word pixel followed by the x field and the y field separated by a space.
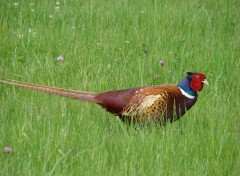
pixel 114 101
pixel 148 102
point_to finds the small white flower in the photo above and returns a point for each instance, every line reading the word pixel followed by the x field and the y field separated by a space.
pixel 60 58
pixel 57 9
pixel 127 42
pixel 15 4
pixel 57 3
pixel 29 30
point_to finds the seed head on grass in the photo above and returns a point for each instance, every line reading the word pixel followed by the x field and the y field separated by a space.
pixel 57 9
pixel 15 4
pixel 157 76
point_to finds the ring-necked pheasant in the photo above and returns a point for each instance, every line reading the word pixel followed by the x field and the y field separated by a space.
pixel 155 103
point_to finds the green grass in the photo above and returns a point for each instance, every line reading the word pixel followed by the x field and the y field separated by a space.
pixel 113 45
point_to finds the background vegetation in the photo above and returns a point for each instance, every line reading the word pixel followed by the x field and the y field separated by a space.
pixel 114 45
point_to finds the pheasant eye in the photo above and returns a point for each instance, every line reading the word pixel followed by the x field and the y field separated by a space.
pixel 197 77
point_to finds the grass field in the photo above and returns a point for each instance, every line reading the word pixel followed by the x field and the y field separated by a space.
pixel 114 45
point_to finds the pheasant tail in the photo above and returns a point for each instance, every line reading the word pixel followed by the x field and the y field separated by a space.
pixel 73 94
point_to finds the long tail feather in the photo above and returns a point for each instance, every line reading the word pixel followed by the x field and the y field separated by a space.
pixel 73 94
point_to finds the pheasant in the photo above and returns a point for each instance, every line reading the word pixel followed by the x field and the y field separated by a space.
pixel 166 102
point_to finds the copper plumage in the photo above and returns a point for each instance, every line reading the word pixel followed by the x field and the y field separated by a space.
pixel 166 102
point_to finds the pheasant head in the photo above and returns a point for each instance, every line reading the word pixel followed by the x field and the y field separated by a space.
pixel 192 83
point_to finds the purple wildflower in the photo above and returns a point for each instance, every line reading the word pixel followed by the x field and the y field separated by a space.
pixel 7 149
pixel 161 62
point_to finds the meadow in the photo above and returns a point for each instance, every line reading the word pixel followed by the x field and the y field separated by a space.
pixel 109 45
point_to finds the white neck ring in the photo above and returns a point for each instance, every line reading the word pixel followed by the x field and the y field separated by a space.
pixel 186 94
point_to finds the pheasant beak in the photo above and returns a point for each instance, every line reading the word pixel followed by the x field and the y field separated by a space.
pixel 205 82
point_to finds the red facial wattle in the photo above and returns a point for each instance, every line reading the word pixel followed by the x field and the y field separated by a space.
pixel 196 85
pixel 197 81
